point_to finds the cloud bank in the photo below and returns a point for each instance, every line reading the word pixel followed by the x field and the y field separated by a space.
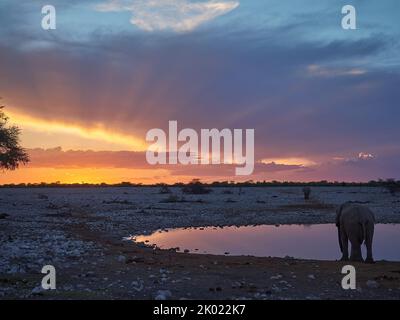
pixel 361 167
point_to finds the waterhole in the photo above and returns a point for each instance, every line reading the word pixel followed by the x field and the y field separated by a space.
pixel 297 241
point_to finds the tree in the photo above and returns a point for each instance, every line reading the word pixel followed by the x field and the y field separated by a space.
pixel 11 153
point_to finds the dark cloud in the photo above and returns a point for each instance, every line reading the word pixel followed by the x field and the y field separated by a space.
pixel 132 82
pixel 71 159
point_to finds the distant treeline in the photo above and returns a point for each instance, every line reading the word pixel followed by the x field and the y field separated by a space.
pixel 388 183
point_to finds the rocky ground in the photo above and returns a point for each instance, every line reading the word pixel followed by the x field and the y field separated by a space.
pixel 80 231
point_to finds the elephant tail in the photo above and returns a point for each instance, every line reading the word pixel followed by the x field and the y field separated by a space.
pixel 364 232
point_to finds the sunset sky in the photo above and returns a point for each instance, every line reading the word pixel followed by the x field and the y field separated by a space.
pixel 324 102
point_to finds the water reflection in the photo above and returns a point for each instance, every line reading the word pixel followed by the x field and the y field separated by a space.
pixel 299 241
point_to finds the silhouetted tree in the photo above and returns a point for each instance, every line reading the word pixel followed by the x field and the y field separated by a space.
pixel 11 153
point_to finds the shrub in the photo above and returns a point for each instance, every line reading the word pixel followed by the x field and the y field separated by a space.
pixel 306 192
pixel 164 190
pixel 195 187
pixel 173 198
pixel 392 186
pixel 227 192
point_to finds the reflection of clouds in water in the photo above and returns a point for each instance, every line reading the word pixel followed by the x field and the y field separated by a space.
pixel 299 241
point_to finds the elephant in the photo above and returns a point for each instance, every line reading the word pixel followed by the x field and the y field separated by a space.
pixel 306 191
pixel 355 223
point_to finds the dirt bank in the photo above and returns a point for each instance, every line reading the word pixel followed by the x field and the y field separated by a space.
pixel 79 231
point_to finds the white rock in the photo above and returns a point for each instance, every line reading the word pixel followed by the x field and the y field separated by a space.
pixel 137 285
pixel 276 289
pixel 311 276
pixel 37 290
pixel 372 284
pixel 163 295
pixel 121 259
pixel 14 269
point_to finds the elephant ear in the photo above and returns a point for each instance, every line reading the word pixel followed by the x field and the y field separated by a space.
pixel 338 214
pixel 339 239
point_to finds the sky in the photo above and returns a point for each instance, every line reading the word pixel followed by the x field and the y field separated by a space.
pixel 324 101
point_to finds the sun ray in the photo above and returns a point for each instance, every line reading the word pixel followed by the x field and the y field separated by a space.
pixel 97 132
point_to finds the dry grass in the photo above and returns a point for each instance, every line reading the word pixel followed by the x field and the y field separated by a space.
pixel 311 205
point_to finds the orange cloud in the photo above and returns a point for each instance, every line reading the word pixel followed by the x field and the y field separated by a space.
pixel 98 132
pixel 290 161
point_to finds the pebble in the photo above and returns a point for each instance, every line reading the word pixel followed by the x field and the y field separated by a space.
pixel 37 290
pixel 121 259
pixel 276 289
pixel 372 284
pixel 137 285
pixel 163 295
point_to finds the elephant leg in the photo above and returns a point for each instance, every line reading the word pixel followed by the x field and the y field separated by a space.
pixel 345 245
pixel 355 249
pixel 368 242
